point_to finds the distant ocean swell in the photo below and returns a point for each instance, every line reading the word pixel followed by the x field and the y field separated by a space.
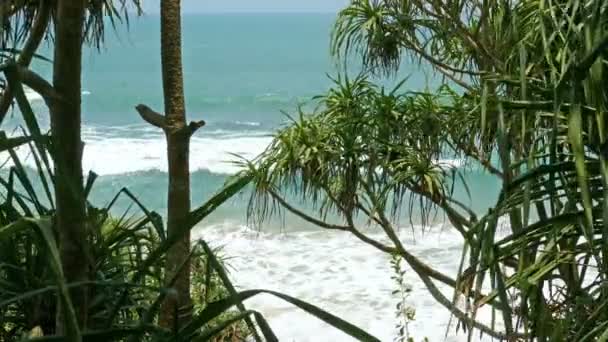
pixel 114 150
pixel 110 155
pixel 270 99
pixel 217 154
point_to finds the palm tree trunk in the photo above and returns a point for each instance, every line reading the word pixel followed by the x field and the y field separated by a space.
pixel 178 148
pixel 67 151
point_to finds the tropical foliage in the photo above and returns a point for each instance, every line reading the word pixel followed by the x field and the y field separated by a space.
pixel 69 270
pixel 522 97
pixel 126 258
pixel 119 249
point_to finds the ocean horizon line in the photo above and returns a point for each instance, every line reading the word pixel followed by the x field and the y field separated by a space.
pixel 212 13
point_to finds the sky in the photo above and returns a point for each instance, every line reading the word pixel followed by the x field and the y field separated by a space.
pixel 207 6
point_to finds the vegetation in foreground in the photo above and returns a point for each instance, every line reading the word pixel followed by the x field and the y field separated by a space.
pixel 119 247
pixel 109 279
pixel 523 97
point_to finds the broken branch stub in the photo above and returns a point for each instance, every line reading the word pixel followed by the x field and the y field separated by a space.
pixel 151 117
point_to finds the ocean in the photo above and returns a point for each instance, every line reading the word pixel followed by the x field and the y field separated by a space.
pixel 241 71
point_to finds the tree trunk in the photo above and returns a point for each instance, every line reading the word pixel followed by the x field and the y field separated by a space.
pixel 67 152
pixel 178 147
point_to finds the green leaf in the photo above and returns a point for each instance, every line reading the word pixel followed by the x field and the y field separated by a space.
pixel 231 188
pixel 575 130
pixel 43 229
pixel 213 310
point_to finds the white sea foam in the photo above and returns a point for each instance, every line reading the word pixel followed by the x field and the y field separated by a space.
pixel 31 95
pixel 108 150
pixel 340 274
pixel 249 123
pixel 450 163
pixel 119 155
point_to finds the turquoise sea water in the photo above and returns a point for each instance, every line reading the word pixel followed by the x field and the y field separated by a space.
pixel 240 72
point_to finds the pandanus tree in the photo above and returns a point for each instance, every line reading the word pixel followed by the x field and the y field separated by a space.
pixel 75 23
pixel 523 99
pixel 127 309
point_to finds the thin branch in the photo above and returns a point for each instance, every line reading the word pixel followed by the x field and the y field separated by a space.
pixel 464 207
pixel 195 126
pixel 32 80
pixel 350 228
pixel 389 230
pixel 588 60
pixel 453 78
pixel 445 69
pixel 423 270
pixel 370 241
pixel 39 85
pixel 486 163
pixel 151 117
pixel 462 316
pixel 426 273
pixel 482 19
pixel 11 143
pixel 468 37
pixel 578 70
pixel 458 221
pixel 29 49
pixel 412 260
pixel 304 216
pixel 436 62
pixel 367 212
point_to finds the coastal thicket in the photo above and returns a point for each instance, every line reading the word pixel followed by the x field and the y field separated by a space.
pixel 69 269
pixel 523 97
